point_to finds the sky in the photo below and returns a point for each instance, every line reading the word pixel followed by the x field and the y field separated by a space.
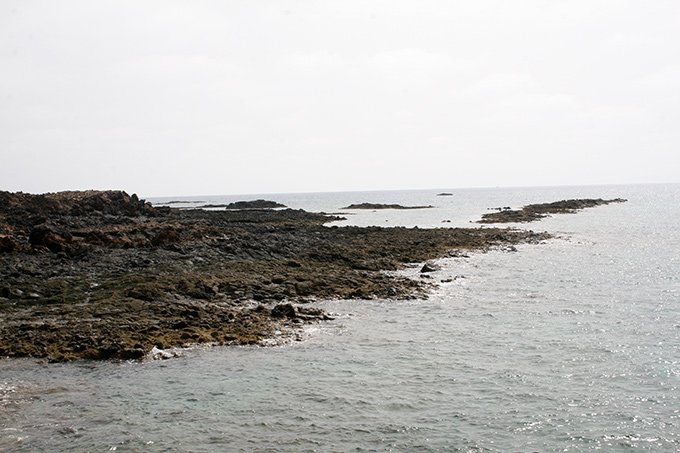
pixel 200 97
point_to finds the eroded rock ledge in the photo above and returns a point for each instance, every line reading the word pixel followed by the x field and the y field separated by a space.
pixel 104 275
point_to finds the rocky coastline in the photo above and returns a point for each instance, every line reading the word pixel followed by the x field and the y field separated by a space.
pixel 104 275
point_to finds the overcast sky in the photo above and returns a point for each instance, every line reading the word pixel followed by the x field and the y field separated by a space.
pixel 225 97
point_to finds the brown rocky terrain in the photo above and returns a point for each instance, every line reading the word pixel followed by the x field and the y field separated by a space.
pixel 104 275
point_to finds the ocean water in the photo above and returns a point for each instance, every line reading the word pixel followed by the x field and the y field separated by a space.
pixel 570 345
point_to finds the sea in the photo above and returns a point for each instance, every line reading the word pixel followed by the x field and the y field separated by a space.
pixel 568 345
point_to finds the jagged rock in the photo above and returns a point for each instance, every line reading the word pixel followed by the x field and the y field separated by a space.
pixel 166 237
pixel 284 311
pixel 7 245
pixel 44 235
pixel 430 267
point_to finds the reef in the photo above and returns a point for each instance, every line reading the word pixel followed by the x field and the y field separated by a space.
pixel 255 204
pixel 105 275
pixel 533 212
pixel 383 206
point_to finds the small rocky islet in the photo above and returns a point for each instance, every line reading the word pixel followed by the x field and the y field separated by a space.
pixel 376 206
pixel 105 275
pixel 534 212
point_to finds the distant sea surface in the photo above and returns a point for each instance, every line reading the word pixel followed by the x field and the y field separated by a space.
pixel 570 345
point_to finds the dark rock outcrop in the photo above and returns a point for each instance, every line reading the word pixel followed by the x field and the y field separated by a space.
pixel 429 267
pixel 533 212
pixel 255 204
pixel 383 206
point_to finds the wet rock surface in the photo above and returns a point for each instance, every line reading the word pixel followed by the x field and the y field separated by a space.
pixel 104 275
pixel 533 212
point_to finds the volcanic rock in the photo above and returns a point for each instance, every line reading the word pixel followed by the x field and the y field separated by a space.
pixel 256 204
pixel 383 206
pixel 104 275
pixel 533 212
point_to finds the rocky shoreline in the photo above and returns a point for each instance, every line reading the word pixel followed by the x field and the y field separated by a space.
pixel 105 275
